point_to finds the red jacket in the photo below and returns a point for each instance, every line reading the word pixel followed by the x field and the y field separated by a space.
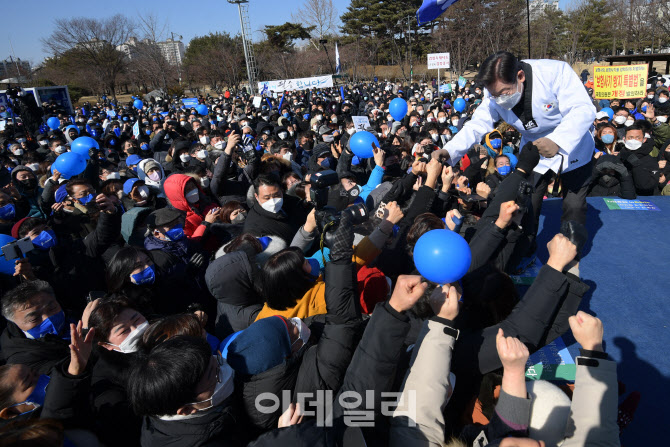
pixel 174 190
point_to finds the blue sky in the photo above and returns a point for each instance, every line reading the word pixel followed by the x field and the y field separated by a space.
pixel 26 21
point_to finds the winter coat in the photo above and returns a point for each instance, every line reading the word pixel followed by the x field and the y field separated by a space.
pixel 195 226
pixel 643 167
pixel 604 184
pixel 41 355
pixel 284 224
pixel 322 364
pixel 226 190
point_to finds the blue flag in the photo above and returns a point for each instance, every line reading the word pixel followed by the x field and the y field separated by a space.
pixel 431 10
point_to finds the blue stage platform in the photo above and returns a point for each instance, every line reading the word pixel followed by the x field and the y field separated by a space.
pixel 627 265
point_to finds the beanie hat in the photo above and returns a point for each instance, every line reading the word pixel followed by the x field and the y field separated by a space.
pixel 260 347
pixel 321 149
pixel 17 226
pixel 549 412
pixel 151 164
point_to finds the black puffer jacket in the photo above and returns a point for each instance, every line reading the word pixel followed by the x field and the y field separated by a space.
pixel 324 362
pixel 230 279
pixel 284 224
pixel 42 355
pixel 643 167
pixel 611 178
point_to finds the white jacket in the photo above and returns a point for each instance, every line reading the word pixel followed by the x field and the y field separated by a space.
pixel 561 111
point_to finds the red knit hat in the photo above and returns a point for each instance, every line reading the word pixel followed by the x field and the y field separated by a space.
pixel 373 288
pixel 15 228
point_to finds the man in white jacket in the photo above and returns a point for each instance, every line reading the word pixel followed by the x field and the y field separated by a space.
pixel 547 103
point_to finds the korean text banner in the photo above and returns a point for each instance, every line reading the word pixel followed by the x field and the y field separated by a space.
pixel 620 81
pixel 296 84
pixel 438 60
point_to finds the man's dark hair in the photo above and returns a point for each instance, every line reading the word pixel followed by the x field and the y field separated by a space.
pixel 502 66
pixel 166 378
pixel 266 180
pixel 105 312
pixel 635 126
pixel 29 225
pixel 282 280
pixel 76 182
pixel 277 147
pixel 22 294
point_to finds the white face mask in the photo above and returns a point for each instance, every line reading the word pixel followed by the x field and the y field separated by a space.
pixel 143 191
pixel 334 120
pixel 273 205
pixel 509 101
pixel 218 145
pixel 454 123
pixel 328 138
pixel 113 176
pixel 442 120
pixel 193 196
pixel 319 117
pixel 421 112
pixel 185 158
pixel 282 135
pixel 633 145
pixel 201 154
pixel 60 149
pixel 204 182
pixel 662 99
pixel 351 130
pixel 288 156
pixel 662 119
pixel 204 140
pixel 629 123
pixel 18 152
pixel 650 96
pixel 619 119
pixel 45 142
pixel 129 345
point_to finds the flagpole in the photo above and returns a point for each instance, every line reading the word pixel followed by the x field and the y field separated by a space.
pixel 528 17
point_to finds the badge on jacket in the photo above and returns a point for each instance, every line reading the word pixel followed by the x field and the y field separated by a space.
pixel 549 107
pixel 530 125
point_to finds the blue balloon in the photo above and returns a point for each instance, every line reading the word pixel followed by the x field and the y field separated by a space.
pixel 398 108
pixel 459 105
pixel 82 145
pixel 53 123
pixel 69 164
pixel 138 104
pixel 442 256
pixel 6 267
pixel 609 112
pixel 202 109
pixel 361 144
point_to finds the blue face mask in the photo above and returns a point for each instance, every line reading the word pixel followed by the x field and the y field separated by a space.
pixel 51 325
pixel 148 131
pixel 325 163
pixel 144 147
pixel 86 199
pixel 453 129
pixel 175 233
pixel 146 276
pixel 117 132
pixel 112 142
pixel 644 108
pixel 8 212
pixel 285 115
pixel 315 268
pixel 45 240
pixel 37 396
pixel 607 138
pixel 504 170
pixel 305 116
pixel 496 143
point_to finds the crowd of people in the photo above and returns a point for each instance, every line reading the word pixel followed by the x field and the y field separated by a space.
pixel 238 276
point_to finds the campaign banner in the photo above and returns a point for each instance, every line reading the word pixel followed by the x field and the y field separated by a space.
pixel 620 81
pixel 190 102
pixel 136 129
pixel 462 81
pixel 289 85
pixel 257 101
pixel 552 362
pixel 360 122
pixel 631 205
pixel 438 60
pixel 445 88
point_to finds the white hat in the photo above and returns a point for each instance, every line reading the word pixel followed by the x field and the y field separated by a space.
pixel 549 412
pixel 601 115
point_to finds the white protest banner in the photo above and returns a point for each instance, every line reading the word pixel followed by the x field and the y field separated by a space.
pixel 438 60
pixel 136 129
pixel 360 122
pixel 257 101
pixel 296 84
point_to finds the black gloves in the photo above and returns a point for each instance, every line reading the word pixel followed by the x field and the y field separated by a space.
pixel 576 233
pixel 528 159
pixel 196 262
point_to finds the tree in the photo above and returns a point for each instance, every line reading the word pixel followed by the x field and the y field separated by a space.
pixel 215 59
pixel 320 16
pixel 92 44
pixel 282 36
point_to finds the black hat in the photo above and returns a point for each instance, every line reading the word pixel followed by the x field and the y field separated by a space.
pixel 162 217
pixel 321 149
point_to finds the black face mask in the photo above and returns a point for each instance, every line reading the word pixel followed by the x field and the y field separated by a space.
pixel 667 155
pixel 28 184
pixel 393 170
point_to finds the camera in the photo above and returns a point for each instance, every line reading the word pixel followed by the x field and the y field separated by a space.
pixel 320 182
pixel 328 218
